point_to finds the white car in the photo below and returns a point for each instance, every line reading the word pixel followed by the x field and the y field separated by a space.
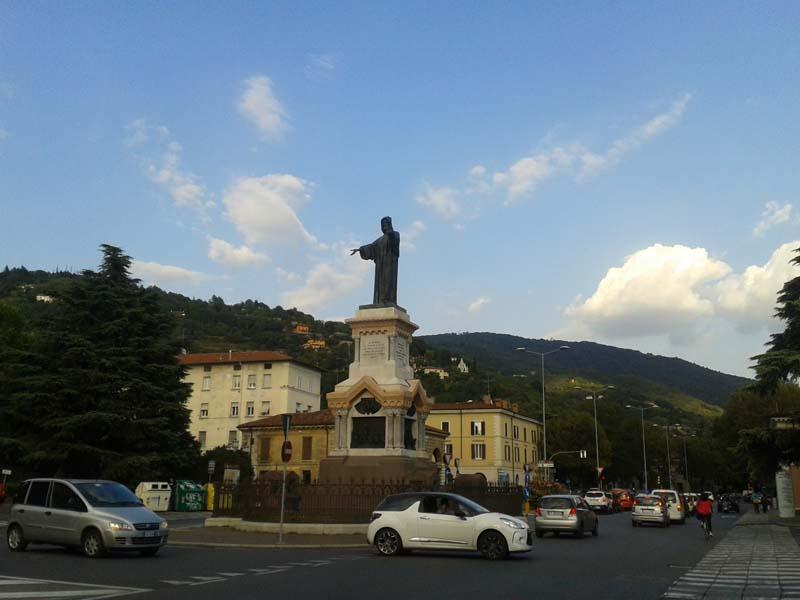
pixel 675 507
pixel 598 501
pixel 440 521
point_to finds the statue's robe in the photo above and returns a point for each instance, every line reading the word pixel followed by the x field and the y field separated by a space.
pixel 384 251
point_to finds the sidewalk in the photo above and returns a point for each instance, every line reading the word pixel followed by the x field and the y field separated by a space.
pixel 225 537
pixel 758 558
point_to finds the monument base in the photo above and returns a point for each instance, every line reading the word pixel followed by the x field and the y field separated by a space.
pixel 366 469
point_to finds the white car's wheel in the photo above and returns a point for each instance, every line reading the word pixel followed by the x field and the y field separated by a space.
pixel 388 542
pixel 492 545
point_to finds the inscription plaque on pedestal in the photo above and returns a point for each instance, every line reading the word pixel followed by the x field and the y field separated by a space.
pixel 400 350
pixel 373 349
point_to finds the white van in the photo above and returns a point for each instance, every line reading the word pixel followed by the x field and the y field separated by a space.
pixel 675 506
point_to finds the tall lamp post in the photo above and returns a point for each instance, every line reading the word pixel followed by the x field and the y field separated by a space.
pixel 644 445
pixel 669 457
pixel 544 417
pixel 595 396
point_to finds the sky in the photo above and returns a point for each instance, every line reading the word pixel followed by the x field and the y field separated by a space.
pixel 625 173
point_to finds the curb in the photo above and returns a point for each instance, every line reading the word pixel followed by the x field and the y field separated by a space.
pixel 267 546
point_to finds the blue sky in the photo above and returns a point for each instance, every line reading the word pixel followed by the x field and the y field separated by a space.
pixel 624 173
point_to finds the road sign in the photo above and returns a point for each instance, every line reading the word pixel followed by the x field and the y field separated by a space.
pixel 286 451
pixel 600 471
pixel 583 453
pixel 286 420
pixel 546 464
pixel 6 472
pixel 212 466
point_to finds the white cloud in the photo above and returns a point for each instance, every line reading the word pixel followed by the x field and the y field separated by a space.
pixel 475 307
pixel 222 252
pixel 328 281
pixel 750 298
pixel 264 209
pixel 773 214
pixel 286 276
pixel 152 273
pixel 259 105
pixel 528 172
pixel 166 170
pixel 441 200
pixel 407 237
pixel 477 171
pixel 658 290
pixel 320 67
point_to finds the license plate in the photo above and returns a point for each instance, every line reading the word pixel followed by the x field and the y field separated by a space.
pixel 553 513
pixel 647 510
pixel 149 534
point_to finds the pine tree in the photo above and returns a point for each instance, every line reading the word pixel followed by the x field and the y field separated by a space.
pixel 100 393
pixel 781 362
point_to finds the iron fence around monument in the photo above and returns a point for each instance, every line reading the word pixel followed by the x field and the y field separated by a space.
pixel 344 502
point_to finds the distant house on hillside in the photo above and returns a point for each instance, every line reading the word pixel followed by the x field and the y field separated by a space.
pixel 314 345
pixel 462 367
pixel 302 329
pixel 436 371
pixel 44 298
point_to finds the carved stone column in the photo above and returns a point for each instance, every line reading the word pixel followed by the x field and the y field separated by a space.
pixel 340 429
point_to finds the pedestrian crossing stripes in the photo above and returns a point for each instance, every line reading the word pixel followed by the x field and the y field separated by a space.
pixel 46 589
pixel 757 561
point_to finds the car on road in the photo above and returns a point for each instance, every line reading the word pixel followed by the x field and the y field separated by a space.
pixel 558 514
pixel 94 515
pixel 598 501
pixel 443 521
pixel 649 508
pixel 622 499
pixel 677 509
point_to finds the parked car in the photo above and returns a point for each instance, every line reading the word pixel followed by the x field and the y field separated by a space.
pixel 441 521
pixel 564 514
pixel 93 515
pixel 677 510
pixel 598 501
pixel 649 508
pixel 727 504
pixel 622 499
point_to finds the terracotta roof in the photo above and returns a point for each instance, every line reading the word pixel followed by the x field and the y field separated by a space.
pixel 432 429
pixel 221 358
pixel 308 419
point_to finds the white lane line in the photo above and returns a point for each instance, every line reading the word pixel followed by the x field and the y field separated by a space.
pixel 175 582
pixel 206 578
pixel 321 563
pixel 58 594
pixel 17 581
pixel 300 564
pixel 89 589
pixel 270 571
pixel 230 574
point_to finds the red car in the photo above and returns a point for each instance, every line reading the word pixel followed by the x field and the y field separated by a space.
pixel 622 499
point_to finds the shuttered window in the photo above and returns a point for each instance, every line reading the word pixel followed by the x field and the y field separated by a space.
pixel 264 450
pixel 306 448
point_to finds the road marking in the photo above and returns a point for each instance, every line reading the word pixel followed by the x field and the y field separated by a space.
pixel 270 571
pixel 84 590
pixel 3 523
pixel 175 582
pixel 230 574
pixel 301 564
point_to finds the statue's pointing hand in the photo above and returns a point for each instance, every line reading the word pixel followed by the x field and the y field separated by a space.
pixel 353 251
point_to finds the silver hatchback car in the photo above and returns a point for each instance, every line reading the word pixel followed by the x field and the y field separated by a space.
pixel 93 515
pixel 565 514
pixel 649 508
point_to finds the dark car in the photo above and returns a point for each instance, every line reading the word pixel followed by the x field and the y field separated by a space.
pixel 727 504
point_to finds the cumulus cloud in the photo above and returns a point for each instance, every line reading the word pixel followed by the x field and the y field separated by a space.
pixel 528 172
pixel 658 290
pixel 475 306
pixel 225 253
pixel 286 276
pixel 442 200
pixel 152 273
pixel 328 281
pixel 162 164
pixel 259 105
pixel 774 214
pixel 264 209
pixel 407 237
pixel 749 298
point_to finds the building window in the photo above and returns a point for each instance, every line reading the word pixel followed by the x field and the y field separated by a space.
pixel 307 448
pixel 204 410
pixel 516 454
pixel 446 426
pixel 308 408
pixel 478 451
pixel 237 367
pixel 505 429
pixel 250 409
pixel 298 407
pixel 201 437
pixel 233 439
pixel 267 365
pixel 524 435
pixel 237 382
pixel 234 409
pixel 264 409
pixel 516 432
pixel 478 427
pixel 267 381
pixel 263 451
pixel 299 382
pixel 206 383
pixel 251 382
pixel 526 456
pixel 306 477
pixel 508 452
pixel 448 449
pixel 207 368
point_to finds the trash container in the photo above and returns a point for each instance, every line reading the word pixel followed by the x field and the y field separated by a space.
pixel 189 496
pixel 154 494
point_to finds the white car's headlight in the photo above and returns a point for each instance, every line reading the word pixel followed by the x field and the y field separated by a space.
pixel 119 526
pixel 164 525
pixel 512 524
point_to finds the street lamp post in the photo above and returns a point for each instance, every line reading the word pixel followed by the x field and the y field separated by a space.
pixel 595 397
pixel 544 416
pixel 644 445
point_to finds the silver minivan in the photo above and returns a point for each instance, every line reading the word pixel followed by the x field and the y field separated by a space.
pixel 93 515
pixel 564 514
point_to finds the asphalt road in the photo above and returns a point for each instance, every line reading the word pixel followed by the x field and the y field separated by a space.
pixel 623 562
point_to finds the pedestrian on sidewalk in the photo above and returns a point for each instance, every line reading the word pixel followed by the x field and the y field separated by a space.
pixel 765 503
pixel 756 500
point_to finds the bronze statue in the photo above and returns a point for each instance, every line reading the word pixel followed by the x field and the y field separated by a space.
pixel 384 251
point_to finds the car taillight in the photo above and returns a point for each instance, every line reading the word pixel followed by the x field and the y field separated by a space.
pixel 375 516
pixel 635 503
pixel 573 512
pixel 538 512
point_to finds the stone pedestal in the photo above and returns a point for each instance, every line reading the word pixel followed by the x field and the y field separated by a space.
pixel 380 409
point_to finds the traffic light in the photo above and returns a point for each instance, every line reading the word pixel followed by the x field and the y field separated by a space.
pixel 583 454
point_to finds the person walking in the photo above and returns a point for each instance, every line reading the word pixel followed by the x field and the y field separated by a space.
pixel 756 499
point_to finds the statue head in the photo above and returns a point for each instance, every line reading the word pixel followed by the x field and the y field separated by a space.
pixel 386 224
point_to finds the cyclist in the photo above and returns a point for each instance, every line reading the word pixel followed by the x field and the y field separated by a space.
pixel 703 511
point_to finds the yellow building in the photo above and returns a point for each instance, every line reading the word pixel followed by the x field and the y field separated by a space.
pixel 312 438
pixel 232 388
pixel 489 437
pixel 314 345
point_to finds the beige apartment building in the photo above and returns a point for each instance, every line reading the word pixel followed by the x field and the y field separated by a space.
pixel 489 437
pixel 233 388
